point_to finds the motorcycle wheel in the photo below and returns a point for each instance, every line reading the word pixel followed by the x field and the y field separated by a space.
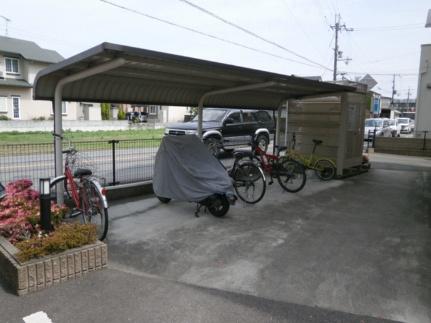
pixel 165 200
pixel 219 206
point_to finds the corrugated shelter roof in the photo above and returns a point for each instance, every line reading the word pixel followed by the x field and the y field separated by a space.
pixel 150 77
pixel 29 50
pixel 14 83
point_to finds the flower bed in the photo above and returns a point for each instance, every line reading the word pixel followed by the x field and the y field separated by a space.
pixel 24 243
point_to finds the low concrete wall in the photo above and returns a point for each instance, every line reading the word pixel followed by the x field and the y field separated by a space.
pixel 37 274
pixel 74 125
pixel 403 146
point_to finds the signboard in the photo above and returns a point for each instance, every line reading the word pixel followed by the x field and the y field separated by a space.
pixel 376 106
pixel 369 81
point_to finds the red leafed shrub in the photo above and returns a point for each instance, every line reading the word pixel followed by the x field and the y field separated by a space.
pixel 19 212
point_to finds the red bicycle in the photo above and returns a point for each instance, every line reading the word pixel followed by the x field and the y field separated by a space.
pixel 289 173
pixel 86 193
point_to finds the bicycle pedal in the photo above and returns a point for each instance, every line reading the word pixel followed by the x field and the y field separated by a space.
pixel 74 213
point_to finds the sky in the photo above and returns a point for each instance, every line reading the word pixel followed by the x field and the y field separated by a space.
pixel 386 39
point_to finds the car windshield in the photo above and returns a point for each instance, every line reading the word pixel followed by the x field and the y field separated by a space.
pixel 403 121
pixel 373 123
pixel 211 115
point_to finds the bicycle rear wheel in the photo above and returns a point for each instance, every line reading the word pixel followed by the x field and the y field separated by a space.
pixel 291 175
pixel 324 169
pixel 93 208
pixel 249 182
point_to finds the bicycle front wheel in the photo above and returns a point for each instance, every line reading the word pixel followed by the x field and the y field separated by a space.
pixel 249 182
pixel 324 169
pixel 291 175
pixel 93 208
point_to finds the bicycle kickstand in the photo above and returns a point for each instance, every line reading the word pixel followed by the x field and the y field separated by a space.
pixel 198 209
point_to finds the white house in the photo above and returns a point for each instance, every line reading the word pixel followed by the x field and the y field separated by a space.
pixel 20 61
pixel 159 113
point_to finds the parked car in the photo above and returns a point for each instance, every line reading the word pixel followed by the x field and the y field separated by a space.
pixel 225 128
pixel 2 191
pixel 378 125
pixel 407 126
pixel 395 127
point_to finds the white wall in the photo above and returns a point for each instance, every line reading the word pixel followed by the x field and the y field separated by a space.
pixel 173 114
pixel 423 103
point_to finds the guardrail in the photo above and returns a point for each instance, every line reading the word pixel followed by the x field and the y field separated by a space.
pixel 113 161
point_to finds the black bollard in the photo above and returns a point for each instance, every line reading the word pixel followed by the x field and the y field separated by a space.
pixel 45 204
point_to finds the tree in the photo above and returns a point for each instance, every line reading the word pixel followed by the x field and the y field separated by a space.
pixel 121 113
pixel 105 109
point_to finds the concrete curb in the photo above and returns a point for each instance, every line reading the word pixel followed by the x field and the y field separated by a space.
pixel 128 190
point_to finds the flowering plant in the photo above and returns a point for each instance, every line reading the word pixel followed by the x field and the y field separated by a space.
pixel 19 212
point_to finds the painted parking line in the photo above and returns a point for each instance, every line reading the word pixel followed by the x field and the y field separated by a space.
pixel 38 317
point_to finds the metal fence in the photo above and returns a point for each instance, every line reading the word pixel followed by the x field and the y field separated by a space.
pixel 113 161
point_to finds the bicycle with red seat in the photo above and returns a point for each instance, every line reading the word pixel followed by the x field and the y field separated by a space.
pixel 289 173
pixel 84 191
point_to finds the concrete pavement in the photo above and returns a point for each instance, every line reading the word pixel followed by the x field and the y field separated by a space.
pixel 354 250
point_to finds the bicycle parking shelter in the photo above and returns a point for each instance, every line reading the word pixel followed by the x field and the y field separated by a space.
pixel 115 73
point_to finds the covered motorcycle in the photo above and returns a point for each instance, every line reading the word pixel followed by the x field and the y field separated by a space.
pixel 185 170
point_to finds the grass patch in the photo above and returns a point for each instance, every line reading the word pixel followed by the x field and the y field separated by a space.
pixel 36 137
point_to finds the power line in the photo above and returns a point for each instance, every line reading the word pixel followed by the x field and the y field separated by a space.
pixel 205 34
pixel 382 74
pixel 389 28
pixel 251 33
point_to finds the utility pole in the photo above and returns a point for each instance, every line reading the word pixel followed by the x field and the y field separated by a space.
pixel 393 90
pixel 338 55
pixel 408 100
pixel 7 20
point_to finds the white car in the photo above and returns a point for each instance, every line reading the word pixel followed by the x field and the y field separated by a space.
pixel 406 125
pixel 395 127
pixel 379 126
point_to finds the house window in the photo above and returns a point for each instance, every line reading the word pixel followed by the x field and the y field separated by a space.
pixel 16 104
pixel 12 65
pixel 153 109
pixel 63 107
pixel 3 104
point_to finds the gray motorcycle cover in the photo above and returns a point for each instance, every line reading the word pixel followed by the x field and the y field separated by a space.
pixel 185 170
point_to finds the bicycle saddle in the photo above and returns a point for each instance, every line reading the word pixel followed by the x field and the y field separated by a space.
pixel 281 148
pixel 317 142
pixel 82 172
pixel 238 154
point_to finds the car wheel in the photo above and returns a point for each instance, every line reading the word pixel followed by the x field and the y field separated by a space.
pixel 214 145
pixel 262 141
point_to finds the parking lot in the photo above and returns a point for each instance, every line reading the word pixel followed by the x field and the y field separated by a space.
pixel 358 245
pixel 339 251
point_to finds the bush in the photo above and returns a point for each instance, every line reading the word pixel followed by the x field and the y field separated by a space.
pixel 121 113
pixel 66 236
pixel 105 109
pixel 4 118
pixel 39 119
pixel 19 212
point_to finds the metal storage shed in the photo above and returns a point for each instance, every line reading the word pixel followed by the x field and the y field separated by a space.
pixel 120 74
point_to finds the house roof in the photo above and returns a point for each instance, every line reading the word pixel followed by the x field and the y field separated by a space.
pixel 150 77
pixel 29 50
pixel 14 83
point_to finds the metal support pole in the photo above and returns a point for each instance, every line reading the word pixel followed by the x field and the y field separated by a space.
pixel 45 204
pixel 424 146
pixel 374 137
pixel 113 142
pixel 286 122
pixel 200 115
pixel 58 127
pixel 277 127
